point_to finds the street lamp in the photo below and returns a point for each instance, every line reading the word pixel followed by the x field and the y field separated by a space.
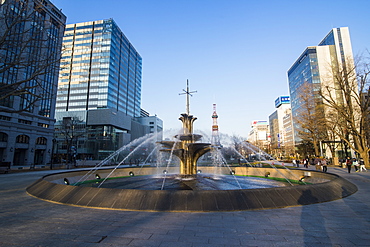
pixel 52 154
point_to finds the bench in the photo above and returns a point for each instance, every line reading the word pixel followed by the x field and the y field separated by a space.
pixel 5 166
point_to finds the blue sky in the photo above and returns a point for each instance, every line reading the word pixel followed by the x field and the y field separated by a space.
pixel 235 53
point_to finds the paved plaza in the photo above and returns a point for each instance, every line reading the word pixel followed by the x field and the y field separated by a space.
pixel 28 221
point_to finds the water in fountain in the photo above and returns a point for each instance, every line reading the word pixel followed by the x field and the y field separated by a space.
pixel 188 149
pixel 134 193
pixel 163 180
pixel 168 163
pixel 107 161
pixel 259 151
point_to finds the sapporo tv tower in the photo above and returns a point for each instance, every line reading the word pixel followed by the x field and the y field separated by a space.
pixel 215 136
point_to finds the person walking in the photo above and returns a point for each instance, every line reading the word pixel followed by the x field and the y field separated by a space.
pixel 355 164
pixel 362 165
pixel 317 163
pixel 305 162
pixel 324 165
pixel 349 164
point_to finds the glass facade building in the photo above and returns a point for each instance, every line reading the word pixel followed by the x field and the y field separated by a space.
pixel 31 35
pixel 305 70
pixel 314 66
pixel 99 69
pixel 99 92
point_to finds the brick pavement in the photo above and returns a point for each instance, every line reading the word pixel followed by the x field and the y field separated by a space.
pixel 28 221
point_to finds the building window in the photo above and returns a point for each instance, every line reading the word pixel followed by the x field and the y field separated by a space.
pixel 22 139
pixel 43 125
pixel 41 141
pixel 3 137
pixel 24 121
pixel 6 118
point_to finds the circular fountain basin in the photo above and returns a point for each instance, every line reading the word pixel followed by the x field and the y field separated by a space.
pixel 190 195
pixel 176 182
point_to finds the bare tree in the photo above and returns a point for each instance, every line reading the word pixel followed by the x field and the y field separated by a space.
pixel 27 55
pixel 236 142
pixel 331 140
pixel 310 118
pixel 71 128
pixel 347 102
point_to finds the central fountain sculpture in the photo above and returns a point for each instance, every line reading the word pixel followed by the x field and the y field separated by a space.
pixel 186 148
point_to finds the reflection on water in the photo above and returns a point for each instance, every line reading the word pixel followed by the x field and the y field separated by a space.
pixel 202 182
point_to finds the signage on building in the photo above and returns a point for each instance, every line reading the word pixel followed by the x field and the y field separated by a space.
pixel 254 123
pixel 282 100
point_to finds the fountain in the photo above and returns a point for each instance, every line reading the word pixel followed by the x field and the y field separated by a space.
pixel 187 190
pixel 187 149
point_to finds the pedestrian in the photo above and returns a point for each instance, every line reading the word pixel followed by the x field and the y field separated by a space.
pixel 349 164
pixel 355 164
pixel 297 161
pixel 294 162
pixel 362 165
pixel 324 165
pixel 305 162
pixel 317 163
pixel 342 163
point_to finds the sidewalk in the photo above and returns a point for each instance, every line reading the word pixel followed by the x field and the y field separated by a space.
pixel 28 221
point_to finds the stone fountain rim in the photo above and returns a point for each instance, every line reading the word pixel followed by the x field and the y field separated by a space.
pixel 193 201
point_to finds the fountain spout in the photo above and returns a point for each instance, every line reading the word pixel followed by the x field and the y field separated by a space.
pixel 187 149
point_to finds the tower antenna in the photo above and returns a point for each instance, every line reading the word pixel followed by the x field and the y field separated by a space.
pixel 215 136
pixel 187 92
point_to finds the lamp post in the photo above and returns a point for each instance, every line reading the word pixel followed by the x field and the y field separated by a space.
pixel 52 154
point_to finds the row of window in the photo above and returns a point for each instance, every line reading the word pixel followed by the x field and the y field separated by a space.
pixel 23 139
pixel 84 50
pixel 102 83
pixel 6 118
pixel 101 55
pixel 24 121
pixel 77 103
pixel 84 97
pixel 70 28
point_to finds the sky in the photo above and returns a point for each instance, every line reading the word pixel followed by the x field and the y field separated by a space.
pixel 235 53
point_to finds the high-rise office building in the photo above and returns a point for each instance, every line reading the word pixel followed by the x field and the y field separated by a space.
pixel 315 67
pixel 30 45
pixel 288 131
pixel 259 134
pixel 100 68
pixel 279 129
pixel 99 91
